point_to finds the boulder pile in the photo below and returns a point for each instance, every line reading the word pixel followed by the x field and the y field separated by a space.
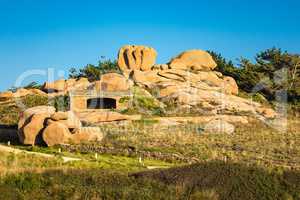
pixel 42 125
pixel 8 95
pixel 62 87
pixel 190 82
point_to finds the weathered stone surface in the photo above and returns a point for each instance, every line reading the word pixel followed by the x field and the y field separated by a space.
pixel 56 86
pixel 97 117
pixel 61 87
pixel 112 82
pixel 267 112
pixel 56 133
pixel 69 119
pixel 160 67
pixel 230 86
pixel 219 127
pixel 72 122
pixel 171 77
pixel 136 58
pixel 148 79
pixel 81 83
pixel 234 119
pixel 38 110
pixel 60 116
pixel 193 60
pixel 6 95
pixel 32 122
pixel 29 133
pixel 37 92
pixel 87 134
pixel 21 93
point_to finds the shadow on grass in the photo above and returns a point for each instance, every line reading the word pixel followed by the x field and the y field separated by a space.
pixel 213 180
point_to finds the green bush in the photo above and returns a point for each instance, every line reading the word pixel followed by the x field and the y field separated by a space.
pixel 94 72
pixel 61 103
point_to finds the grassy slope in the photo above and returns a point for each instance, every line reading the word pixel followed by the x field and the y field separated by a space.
pixel 211 180
pixel 260 164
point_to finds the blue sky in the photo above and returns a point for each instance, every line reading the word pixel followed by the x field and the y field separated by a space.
pixel 59 34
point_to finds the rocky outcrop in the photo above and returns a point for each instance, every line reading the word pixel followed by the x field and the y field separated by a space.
pixel 136 58
pixel 42 125
pixel 112 82
pixel 87 134
pixel 193 60
pixel 32 123
pixel 182 78
pixel 100 117
pixel 219 127
pixel 4 96
pixel 189 82
pixel 8 95
pixel 56 133
pixel 64 86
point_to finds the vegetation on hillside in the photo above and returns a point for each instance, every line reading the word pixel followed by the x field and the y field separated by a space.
pixel 274 73
pixel 94 72
pixel 256 162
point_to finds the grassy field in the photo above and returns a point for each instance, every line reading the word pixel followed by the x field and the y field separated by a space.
pixel 149 160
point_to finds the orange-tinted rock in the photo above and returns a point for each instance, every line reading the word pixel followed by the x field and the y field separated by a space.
pixel 56 133
pixel 193 60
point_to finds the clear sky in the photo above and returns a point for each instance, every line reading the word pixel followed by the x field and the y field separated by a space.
pixel 38 34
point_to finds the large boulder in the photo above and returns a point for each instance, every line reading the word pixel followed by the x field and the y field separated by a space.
pixel 206 80
pixel 22 93
pixel 38 110
pixel 6 95
pixel 32 122
pixel 219 127
pixel 61 87
pixel 98 117
pixel 56 133
pixel 136 58
pixel 193 60
pixel 37 92
pixel 60 116
pixel 112 82
pixel 87 134
pixel 56 86
pixel 29 134
pixel 69 119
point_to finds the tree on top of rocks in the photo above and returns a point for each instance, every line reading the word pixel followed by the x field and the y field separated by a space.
pixel 94 72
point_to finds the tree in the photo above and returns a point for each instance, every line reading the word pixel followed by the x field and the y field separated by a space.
pixel 94 72
pixel 274 70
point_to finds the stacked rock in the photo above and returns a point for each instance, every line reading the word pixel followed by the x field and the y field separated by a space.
pixel 42 125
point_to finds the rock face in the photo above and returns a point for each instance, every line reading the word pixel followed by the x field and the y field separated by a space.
pixel 87 134
pixel 193 60
pixel 189 82
pixel 56 133
pixel 98 117
pixel 219 127
pixel 62 87
pixel 112 82
pixel 182 78
pixel 6 95
pixel 136 58
pixel 42 125
pixel 31 124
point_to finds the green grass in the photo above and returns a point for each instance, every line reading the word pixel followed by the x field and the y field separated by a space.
pixel 15 163
pixel 254 143
pixel 256 162
pixel 212 180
